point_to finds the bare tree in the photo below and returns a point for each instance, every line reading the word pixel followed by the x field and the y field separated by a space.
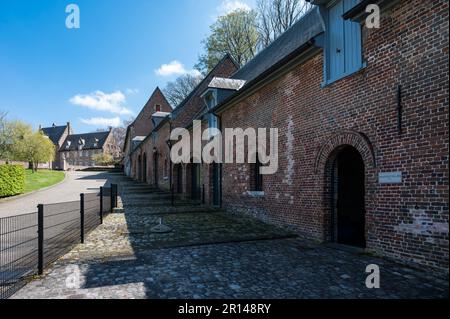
pixel 178 90
pixel 276 16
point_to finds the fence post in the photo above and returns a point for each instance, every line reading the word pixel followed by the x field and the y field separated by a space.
pixel 115 195
pixel 40 239
pixel 111 198
pixel 82 218
pixel 101 205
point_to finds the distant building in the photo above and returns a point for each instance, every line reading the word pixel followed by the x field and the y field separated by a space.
pixel 76 151
pixel 58 135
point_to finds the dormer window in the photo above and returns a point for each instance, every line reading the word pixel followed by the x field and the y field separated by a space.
pixel 96 142
pixel 211 99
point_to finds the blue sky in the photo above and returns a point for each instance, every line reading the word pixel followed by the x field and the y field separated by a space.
pixel 105 71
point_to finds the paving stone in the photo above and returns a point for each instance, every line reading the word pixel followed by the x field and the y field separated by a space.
pixel 213 254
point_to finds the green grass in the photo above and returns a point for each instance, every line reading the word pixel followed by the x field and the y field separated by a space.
pixel 41 179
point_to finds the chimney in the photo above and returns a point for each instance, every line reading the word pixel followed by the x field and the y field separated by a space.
pixel 110 128
pixel 69 128
pixel 54 125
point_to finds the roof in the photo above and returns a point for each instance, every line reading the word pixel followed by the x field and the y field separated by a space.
pixel 160 114
pixel 309 26
pixel 196 90
pixel 54 133
pixel 155 93
pixel 89 141
pixel 227 84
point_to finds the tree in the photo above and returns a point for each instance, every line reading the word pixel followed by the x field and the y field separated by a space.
pixel 5 136
pixel 176 91
pixel 235 33
pixel 11 133
pixel 33 147
pixel 103 159
pixel 276 16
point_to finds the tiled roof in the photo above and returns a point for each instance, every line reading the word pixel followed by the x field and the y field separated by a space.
pixel 89 141
pixel 54 133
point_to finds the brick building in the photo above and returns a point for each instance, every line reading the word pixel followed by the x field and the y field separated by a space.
pixel 157 106
pixel 57 134
pixel 363 131
pixel 78 150
pixel 151 158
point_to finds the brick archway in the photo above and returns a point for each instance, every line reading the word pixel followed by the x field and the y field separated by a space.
pixel 352 138
pixel 324 169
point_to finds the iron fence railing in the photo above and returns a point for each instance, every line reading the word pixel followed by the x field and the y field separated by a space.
pixel 31 242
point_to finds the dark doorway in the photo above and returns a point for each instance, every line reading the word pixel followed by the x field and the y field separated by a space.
pixel 195 182
pixel 144 168
pixel 215 184
pixel 179 173
pixel 139 173
pixel 349 185
pixel 155 169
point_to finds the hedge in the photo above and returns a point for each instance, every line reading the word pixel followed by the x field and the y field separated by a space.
pixel 12 180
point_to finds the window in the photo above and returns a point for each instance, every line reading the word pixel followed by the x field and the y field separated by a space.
pixel 157 108
pixel 344 48
pixel 257 177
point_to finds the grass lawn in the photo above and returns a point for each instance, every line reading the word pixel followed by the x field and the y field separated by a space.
pixel 41 179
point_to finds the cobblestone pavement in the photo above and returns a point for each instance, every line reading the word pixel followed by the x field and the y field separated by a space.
pixel 211 254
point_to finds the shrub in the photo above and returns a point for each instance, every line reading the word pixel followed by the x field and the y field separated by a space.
pixel 12 180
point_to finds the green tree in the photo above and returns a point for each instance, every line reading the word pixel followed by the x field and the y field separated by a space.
pixel 235 33
pixel 103 159
pixel 11 134
pixel 33 147
pixel 5 136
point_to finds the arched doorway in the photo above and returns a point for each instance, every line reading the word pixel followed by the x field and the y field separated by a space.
pixel 215 184
pixel 178 178
pixel 193 176
pixel 348 189
pixel 144 168
pixel 139 172
pixel 155 168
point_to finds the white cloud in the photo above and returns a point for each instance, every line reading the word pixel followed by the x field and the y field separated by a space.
pixel 100 101
pixel 102 122
pixel 132 91
pixel 175 68
pixel 228 6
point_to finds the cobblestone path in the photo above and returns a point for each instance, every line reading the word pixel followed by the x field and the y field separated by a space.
pixel 212 254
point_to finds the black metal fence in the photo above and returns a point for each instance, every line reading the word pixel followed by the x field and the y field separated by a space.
pixel 31 242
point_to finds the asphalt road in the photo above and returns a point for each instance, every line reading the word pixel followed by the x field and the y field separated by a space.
pixel 74 184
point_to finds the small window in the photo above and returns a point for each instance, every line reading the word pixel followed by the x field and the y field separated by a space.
pixel 344 47
pixel 157 108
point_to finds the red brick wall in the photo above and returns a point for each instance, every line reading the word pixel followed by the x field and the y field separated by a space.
pixel 409 221
pixel 143 124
